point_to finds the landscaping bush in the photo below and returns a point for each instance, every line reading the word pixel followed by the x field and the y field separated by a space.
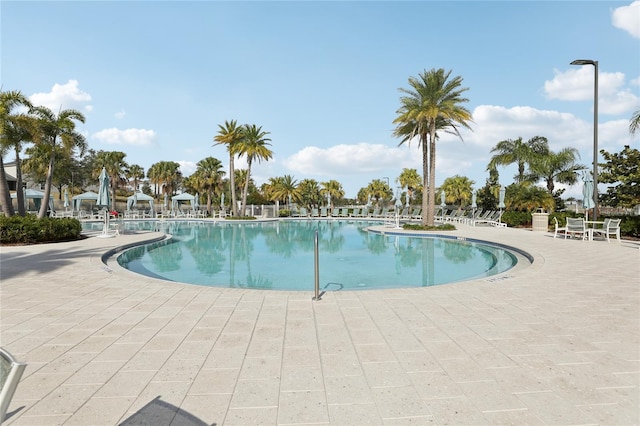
pixel 31 230
pixel 284 213
pixel 416 227
pixel 516 218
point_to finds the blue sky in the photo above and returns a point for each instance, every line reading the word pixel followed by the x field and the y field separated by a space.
pixel 155 78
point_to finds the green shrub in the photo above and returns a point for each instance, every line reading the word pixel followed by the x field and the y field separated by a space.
pixel 416 227
pixel 516 218
pixel 284 213
pixel 31 230
pixel 240 218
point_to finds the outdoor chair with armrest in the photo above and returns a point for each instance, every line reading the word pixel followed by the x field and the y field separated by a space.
pixel 10 374
pixel 558 228
pixel 609 227
pixel 575 226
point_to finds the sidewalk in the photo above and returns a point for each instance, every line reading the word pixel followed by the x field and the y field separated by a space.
pixel 555 342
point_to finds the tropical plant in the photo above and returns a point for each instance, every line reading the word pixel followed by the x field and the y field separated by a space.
pixel 634 123
pixel 528 197
pixel 230 134
pixel 254 146
pixel 53 131
pixel 333 190
pixel 134 173
pixel 310 195
pixel 282 188
pixel 431 104
pixel 208 178
pixel 11 136
pixel 623 170
pixel 555 167
pixel 166 176
pixel 515 151
pixel 457 190
pixel 410 179
pixel 378 189
pixel 488 195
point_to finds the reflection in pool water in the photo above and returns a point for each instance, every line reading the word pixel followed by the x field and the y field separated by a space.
pixel 280 255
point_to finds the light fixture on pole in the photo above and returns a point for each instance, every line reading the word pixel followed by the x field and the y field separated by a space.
pixel 595 130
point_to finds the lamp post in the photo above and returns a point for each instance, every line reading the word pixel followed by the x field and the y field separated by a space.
pixel 595 130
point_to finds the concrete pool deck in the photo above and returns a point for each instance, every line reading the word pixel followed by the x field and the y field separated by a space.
pixel 556 342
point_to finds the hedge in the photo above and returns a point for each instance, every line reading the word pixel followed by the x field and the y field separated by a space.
pixel 31 230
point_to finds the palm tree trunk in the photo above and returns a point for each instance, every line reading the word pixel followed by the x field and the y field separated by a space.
pixel 5 195
pixel 232 184
pixel 19 194
pixel 432 180
pixel 425 180
pixel 47 185
pixel 246 188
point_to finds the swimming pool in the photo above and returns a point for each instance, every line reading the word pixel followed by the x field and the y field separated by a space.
pixel 279 255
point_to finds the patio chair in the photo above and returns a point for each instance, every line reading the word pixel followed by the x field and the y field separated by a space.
pixel 10 374
pixel 609 227
pixel 558 228
pixel 575 226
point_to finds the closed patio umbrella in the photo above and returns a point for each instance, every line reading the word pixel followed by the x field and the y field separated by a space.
pixel 66 199
pixel 587 194
pixel 196 202
pixel 443 198
pixel 474 204
pixel 222 200
pixel 104 198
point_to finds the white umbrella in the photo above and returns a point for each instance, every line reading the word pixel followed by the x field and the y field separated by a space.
pixel 443 197
pixel 501 201
pixel 166 202
pixel 329 200
pixel 474 204
pixel 408 202
pixel 222 200
pixel 66 198
pixel 196 202
pixel 587 194
pixel 104 198
pixel 135 198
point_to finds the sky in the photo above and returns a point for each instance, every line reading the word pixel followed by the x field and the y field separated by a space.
pixel 155 79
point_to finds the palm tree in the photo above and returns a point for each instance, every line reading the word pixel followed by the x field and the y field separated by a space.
pixel 55 131
pixel 433 103
pixel 209 178
pixel 379 189
pixel 634 124
pixel 11 135
pixel 333 189
pixel 230 134
pixel 410 179
pixel 165 175
pixel 253 145
pixel 458 190
pixel 310 193
pixel 134 173
pixel 516 151
pixel 113 162
pixel 556 167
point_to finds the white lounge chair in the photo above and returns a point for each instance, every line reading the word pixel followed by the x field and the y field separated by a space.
pixel 10 374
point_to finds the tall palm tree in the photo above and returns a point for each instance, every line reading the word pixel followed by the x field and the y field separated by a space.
pixel 115 165
pixel 16 132
pixel 9 125
pixel 556 167
pixel 55 131
pixel 333 189
pixel 410 179
pixel 254 145
pixel 310 193
pixel 230 134
pixel 432 103
pixel 516 151
pixel 165 175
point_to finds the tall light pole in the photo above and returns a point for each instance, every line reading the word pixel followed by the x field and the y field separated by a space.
pixel 595 131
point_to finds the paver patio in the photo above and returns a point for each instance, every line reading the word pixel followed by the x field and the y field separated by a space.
pixel 556 342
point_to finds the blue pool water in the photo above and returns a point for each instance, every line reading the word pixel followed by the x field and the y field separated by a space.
pixel 279 255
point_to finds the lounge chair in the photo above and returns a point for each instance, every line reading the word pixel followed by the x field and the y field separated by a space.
pixel 303 212
pixel 323 212
pixel 609 227
pixel 416 214
pixel 575 226
pixel 375 213
pixel 558 228
pixel 335 212
pixel 10 374
pixel 315 212
pixel 355 212
pixel 344 212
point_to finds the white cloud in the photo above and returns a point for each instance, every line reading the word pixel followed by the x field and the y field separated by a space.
pixel 360 158
pixel 135 137
pixel 576 84
pixel 627 18
pixel 63 96
pixel 120 114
